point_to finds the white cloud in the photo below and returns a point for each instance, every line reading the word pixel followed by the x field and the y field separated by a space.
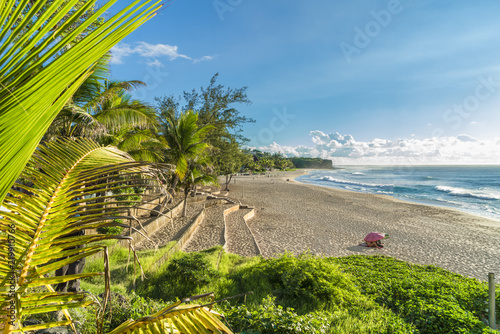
pixel 204 58
pixel 150 51
pixel 155 63
pixel 144 49
pixel 344 150
pixel 119 51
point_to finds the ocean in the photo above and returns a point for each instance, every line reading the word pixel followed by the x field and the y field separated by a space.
pixel 472 189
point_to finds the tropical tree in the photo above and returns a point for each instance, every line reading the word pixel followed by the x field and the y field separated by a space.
pixel 185 140
pixel 142 145
pixel 100 109
pixel 196 174
pixel 215 106
pixel 39 72
pixel 40 224
pixel 229 159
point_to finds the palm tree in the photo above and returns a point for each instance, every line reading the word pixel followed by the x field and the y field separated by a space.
pixel 39 72
pixel 40 228
pixel 142 145
pixel 196 174
pixel 102 108
pixel 185 140
pixel 38 75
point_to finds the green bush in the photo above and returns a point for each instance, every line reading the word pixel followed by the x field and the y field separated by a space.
pixel 184 276
pixel 117 312
pixel 270 318
pixel 305 283
pixel 434 299
pixel 113 230
pixel 128 194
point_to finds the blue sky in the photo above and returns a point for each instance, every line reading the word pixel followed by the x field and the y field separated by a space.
pixel 403 71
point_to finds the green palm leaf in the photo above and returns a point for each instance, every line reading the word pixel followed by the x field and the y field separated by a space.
pixel 39 72
pixel 177 318
pixel 65 180
pixel 185 140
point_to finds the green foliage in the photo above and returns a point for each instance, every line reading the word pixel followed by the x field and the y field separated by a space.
pixel 264 160
pixel 113 230
pixel 270 318
pixel 305 283
pixel 117 312
pixel 307 294
pixel 434 299
pixel 185 275
pixel 129 194
pixel 317 163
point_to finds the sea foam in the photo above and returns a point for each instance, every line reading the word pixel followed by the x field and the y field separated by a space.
pixel 481 194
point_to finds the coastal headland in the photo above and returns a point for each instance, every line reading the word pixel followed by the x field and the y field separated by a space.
pixel 296 217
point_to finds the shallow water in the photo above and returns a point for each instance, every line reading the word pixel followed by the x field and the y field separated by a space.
pixel 472 189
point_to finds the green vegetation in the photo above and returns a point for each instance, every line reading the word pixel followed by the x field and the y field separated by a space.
pixel 308 294
pixel 95 161
pixel 261 161
pixel 434 299
pixel 315 163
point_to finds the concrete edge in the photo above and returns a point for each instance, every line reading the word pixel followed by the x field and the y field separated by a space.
pixel 181 242
pixel 154 224
pixel 249 216
pixel 226 212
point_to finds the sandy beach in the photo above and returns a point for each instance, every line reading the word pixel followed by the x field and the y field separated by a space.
pixel 296 217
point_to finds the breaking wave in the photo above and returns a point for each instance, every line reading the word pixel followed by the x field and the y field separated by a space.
pixel 481 194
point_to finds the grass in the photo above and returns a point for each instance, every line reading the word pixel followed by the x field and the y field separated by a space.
pixel 305 294
pixel 121 268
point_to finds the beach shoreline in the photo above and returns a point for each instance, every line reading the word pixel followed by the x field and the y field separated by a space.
pixel 298 217
pixel 484 220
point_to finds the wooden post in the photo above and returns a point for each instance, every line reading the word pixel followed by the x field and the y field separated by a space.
pixel 491 311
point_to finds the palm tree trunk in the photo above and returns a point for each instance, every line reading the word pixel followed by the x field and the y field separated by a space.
pixel 174 183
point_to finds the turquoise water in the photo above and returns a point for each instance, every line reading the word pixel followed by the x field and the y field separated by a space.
pixel 473 189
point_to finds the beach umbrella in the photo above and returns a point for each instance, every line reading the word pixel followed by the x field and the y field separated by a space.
pixel 374 236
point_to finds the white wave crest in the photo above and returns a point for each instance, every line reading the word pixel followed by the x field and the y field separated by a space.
pixel 481 194
pixel 359 184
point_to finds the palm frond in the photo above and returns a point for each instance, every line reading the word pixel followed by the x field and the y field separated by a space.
pixel 177 318
pixel 127 115
pixel 39 73
pixel 69 191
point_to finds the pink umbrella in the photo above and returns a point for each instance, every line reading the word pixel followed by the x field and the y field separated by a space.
pixel 374 236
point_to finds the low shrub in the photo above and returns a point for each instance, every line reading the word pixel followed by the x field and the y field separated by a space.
pixel 184 276
pixel 117 312
pixel 112 230
pixel 305 283
pixel 434 299
pixel 270 318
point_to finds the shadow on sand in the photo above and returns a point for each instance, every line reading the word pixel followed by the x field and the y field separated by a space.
pixel 363 249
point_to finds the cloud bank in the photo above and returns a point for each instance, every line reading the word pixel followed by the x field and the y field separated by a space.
pixel 345 150
pixel 151 52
